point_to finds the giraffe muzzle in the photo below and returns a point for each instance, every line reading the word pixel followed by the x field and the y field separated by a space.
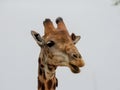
pixel 75 65
pixel 74 68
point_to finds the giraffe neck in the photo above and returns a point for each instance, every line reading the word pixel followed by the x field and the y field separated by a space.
pixel 46 75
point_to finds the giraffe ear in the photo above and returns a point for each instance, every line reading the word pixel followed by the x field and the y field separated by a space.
pixel 37 38
pixel 75 38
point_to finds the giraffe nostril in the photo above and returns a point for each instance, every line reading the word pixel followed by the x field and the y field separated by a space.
pixel 75 55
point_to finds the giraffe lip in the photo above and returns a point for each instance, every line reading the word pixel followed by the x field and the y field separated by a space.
pixel 74 68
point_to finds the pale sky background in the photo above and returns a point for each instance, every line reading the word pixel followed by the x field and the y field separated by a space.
pixel 98 23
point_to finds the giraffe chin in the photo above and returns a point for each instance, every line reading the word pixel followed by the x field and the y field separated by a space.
pixel 74 68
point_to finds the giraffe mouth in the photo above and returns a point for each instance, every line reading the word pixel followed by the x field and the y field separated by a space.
pixel 74 68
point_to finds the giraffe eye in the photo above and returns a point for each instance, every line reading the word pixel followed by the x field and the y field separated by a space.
pixel 50 43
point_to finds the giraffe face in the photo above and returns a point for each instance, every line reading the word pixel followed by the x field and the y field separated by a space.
pixel 63 50
pixel 60 46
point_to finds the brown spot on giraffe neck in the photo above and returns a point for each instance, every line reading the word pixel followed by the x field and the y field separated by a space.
pixel 41 71
pixel 56 82
pixel 43 87
pixel 39 60
pixel 49 84
pixel 39 83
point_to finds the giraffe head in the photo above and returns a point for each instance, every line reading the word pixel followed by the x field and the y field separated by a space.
pixel 59 45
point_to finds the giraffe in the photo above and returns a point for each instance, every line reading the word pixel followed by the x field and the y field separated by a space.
pixel 57 49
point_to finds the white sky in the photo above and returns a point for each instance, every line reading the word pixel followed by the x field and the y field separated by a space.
pixel 98 23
